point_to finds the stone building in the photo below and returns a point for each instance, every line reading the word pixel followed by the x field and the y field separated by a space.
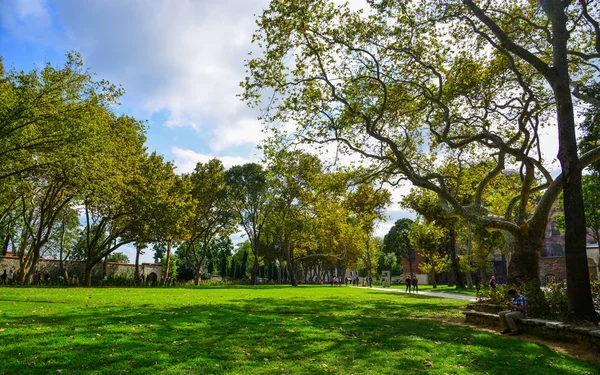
pixel 152 271
pixel 417 259
pixel 552 259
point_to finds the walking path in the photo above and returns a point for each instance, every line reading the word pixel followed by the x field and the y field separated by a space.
pixel 429 294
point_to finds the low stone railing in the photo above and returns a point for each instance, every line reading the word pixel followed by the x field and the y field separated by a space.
pixel 552 330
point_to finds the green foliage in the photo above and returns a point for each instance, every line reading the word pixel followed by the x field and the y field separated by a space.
pixel 558 304
pixel 397 240
pixel 496 296
pixel 536 300
pixel 118 258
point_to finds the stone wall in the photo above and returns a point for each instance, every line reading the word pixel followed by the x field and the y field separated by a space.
pixel 553 268
pixel 151 270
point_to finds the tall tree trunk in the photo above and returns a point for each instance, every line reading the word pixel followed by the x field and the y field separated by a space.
pixel 255 268
pixel 87 275
pixel 524 251
pixel 61 260
pixel 579 292
pixel 197 277
pixel 469 256
pixel 290 263
pixel 138 250
pixel 169 242
pixel 455 261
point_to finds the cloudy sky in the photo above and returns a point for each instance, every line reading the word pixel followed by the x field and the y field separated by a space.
pixel 180 62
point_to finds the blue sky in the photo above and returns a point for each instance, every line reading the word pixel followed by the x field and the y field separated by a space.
pixel 180 63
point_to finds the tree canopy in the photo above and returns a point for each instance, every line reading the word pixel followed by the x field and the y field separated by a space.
pixel 407 86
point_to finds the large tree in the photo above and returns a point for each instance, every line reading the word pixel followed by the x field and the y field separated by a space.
pixel 249 196
pixel 397 241
pixel 407 84
pixel 212 216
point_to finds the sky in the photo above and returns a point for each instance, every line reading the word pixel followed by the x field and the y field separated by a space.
pixel 179 61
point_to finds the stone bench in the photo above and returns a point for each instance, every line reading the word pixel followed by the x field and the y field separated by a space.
pixel 559 331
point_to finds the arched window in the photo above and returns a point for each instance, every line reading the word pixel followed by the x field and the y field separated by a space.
pixel 557 251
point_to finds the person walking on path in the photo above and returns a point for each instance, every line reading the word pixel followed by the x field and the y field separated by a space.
pixel 415 284
pixel 407 282
pixel 370 282
pixel 518 305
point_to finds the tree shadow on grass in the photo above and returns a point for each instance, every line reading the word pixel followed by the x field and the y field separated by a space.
pixel 263 336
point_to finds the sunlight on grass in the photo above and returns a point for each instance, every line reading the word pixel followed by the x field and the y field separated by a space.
pixel 244 330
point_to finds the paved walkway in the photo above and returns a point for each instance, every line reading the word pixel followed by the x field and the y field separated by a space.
pixel 429 294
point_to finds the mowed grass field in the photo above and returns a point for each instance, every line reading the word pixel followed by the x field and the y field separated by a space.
pixel 253 330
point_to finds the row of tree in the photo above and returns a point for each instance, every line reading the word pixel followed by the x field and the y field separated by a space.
pixel 77 183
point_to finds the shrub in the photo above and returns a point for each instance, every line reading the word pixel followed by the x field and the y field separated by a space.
pixel 496 296
pixel 558 303
pixel 537 306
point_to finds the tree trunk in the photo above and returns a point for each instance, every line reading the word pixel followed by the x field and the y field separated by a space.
pixel 197 277
pixel 524 251
pixel 61 261
pixel 455 261
pixel 32 262
pixel 579 292
pixel 290 263
pixel 255 265
pixel 87 276
pixel 168 258
pixel 483 276
pixel 137 262
pixel 469 255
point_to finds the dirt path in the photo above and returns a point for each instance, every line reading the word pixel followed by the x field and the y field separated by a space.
pixel 570 349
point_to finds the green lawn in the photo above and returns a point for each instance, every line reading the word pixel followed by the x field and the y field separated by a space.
pixel 253 330
pixel 440 289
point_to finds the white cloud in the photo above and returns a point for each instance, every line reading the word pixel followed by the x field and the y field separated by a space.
pixel 27 19
pixel 186 160
pixel 183 57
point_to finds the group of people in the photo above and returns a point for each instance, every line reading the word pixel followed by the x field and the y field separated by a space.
pixel 355 281
pixel 412 284
pixel 338 281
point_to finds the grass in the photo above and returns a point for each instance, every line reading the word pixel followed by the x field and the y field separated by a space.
pixel 440 289
pixel 253 330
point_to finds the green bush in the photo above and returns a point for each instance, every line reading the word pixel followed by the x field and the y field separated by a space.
pixel 558 303
pixel 496 296
pixel 537 305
